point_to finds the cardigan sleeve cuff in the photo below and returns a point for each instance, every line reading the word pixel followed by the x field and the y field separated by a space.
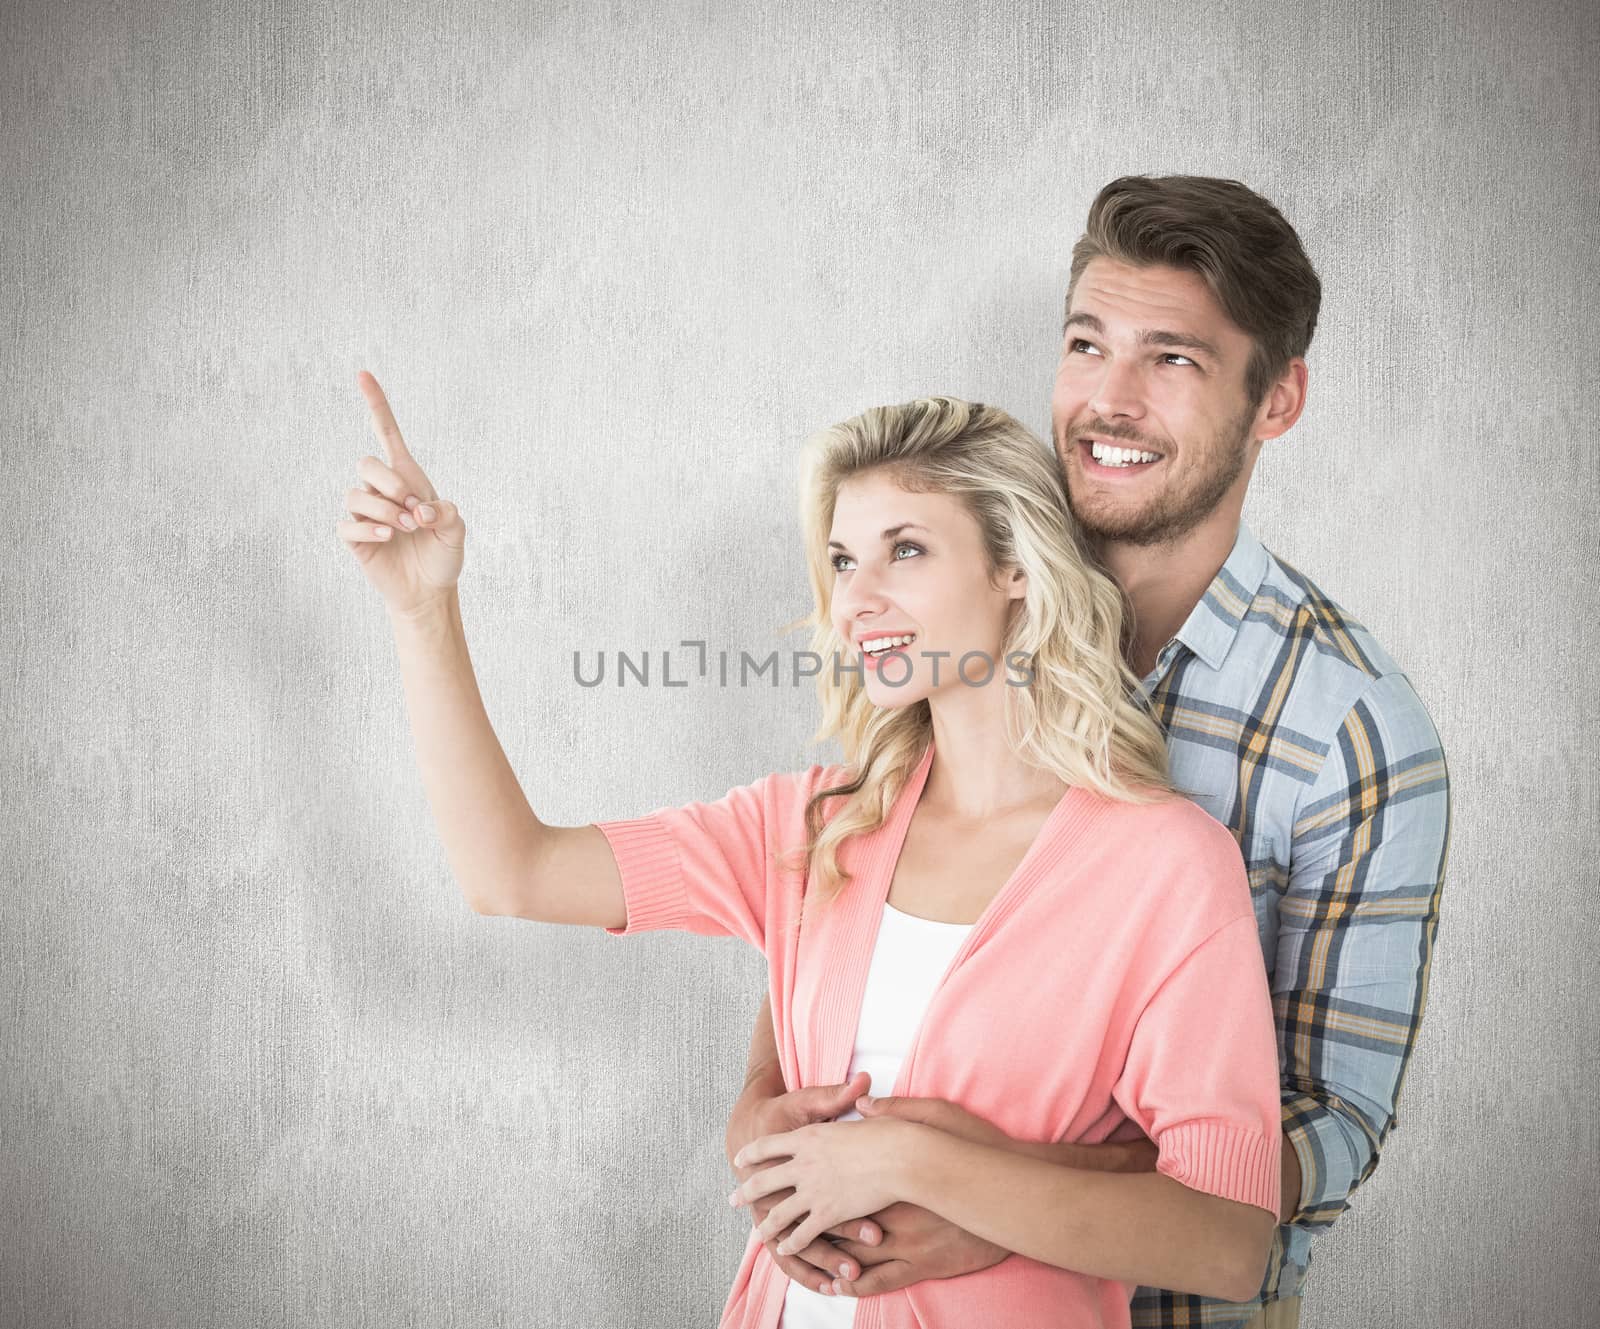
pixel 1222 1159
pixel 652 880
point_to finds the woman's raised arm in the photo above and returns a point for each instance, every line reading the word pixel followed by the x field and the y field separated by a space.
pixel 505 860
pixel 410 545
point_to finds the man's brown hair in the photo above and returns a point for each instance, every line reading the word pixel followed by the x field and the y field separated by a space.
pixel 1242 246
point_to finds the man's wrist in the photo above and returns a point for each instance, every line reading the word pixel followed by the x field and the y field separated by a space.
pixel 740 1127
pixel 765 1080
pixel 760 1087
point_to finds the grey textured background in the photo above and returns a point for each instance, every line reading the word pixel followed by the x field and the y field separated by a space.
pixel 262 1066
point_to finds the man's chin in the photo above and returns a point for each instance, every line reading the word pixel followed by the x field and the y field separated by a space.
pixel 1100 523
pixel 1134 528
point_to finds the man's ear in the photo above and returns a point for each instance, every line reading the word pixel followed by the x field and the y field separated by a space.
pixel 1284 401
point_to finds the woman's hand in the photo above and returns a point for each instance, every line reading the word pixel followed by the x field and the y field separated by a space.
pixel 838 1170
pixel 759 1112
pixel 408 541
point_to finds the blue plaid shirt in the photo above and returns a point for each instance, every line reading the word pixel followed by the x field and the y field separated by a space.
pixel 1289 724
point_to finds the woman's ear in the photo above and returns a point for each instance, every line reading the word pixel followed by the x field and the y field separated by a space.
pixel 1017 587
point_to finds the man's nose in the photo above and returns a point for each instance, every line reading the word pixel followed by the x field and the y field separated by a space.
pixel 1120 392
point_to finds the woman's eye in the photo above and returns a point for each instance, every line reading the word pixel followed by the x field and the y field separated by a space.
pixel 839 561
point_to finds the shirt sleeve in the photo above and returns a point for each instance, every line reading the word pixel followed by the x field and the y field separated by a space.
pixel 1356 928
pixel 1201 1078
pixel 702 867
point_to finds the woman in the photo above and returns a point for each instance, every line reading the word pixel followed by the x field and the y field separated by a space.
pixel 996 899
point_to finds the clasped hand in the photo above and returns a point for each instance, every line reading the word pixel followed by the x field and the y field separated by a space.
pixel 858 1256
pixel 845 1169
pixel 837 1169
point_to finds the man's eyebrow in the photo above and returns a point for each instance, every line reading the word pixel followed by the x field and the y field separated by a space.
pixel 1151 337
pixel 1187 340
pixel 889 533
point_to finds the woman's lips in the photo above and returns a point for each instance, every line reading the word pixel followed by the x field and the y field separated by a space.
pixel 874 659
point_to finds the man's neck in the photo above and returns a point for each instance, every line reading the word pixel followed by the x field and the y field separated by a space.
pixel 1164 582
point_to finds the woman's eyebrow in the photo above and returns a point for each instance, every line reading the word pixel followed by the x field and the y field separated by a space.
pixel 889 533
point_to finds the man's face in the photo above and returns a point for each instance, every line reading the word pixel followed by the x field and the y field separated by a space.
pixel 1150 364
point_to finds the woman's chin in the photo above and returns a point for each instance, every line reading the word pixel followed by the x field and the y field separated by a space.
pixel 893 697
pixel 887 696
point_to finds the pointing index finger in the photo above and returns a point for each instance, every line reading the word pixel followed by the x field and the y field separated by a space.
pixel 383 422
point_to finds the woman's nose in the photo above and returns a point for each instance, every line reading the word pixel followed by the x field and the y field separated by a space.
pixel 862 594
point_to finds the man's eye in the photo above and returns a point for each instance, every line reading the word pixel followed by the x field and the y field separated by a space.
pixel 1173 355
pixel 1079 342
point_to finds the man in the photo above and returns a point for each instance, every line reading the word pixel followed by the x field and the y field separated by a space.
pixel 1190 308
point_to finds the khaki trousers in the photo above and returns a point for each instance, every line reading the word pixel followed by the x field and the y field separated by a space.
pixel 1284 1314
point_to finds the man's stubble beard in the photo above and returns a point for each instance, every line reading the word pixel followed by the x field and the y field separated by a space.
pixel 1172 516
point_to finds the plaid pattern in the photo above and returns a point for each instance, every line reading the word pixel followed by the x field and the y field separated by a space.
pixel 1289 724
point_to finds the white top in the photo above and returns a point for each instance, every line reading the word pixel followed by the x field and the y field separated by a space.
pixel 909 959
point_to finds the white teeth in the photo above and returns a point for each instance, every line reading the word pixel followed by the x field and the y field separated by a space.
pixel 880 644
pixel 1109 456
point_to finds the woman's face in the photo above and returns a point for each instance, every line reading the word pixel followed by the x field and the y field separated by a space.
pixel 912 565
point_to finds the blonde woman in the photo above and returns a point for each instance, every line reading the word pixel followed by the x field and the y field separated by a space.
pixel 995 899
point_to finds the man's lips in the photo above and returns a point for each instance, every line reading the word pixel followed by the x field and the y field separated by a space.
pixel 1100 469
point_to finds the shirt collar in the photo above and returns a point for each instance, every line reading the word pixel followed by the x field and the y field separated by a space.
pixel 1213 624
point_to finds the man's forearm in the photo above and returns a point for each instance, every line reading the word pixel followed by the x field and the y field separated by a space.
pixel 1289 1205
pixel 763 1070
pixel 1142 1228
pixel 763 1078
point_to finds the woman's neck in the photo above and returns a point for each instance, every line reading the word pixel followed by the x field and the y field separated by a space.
pixel 976 772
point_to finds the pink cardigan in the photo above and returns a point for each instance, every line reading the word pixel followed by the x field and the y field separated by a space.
pixel 1114 986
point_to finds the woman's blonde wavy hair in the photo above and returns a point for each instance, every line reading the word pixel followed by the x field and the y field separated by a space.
pixel 1078 716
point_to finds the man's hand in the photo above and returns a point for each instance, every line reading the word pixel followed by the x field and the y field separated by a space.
pixel 757 1114
pixel 918 1244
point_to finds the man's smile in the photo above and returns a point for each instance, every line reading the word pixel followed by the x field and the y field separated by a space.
pixel 1114 459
